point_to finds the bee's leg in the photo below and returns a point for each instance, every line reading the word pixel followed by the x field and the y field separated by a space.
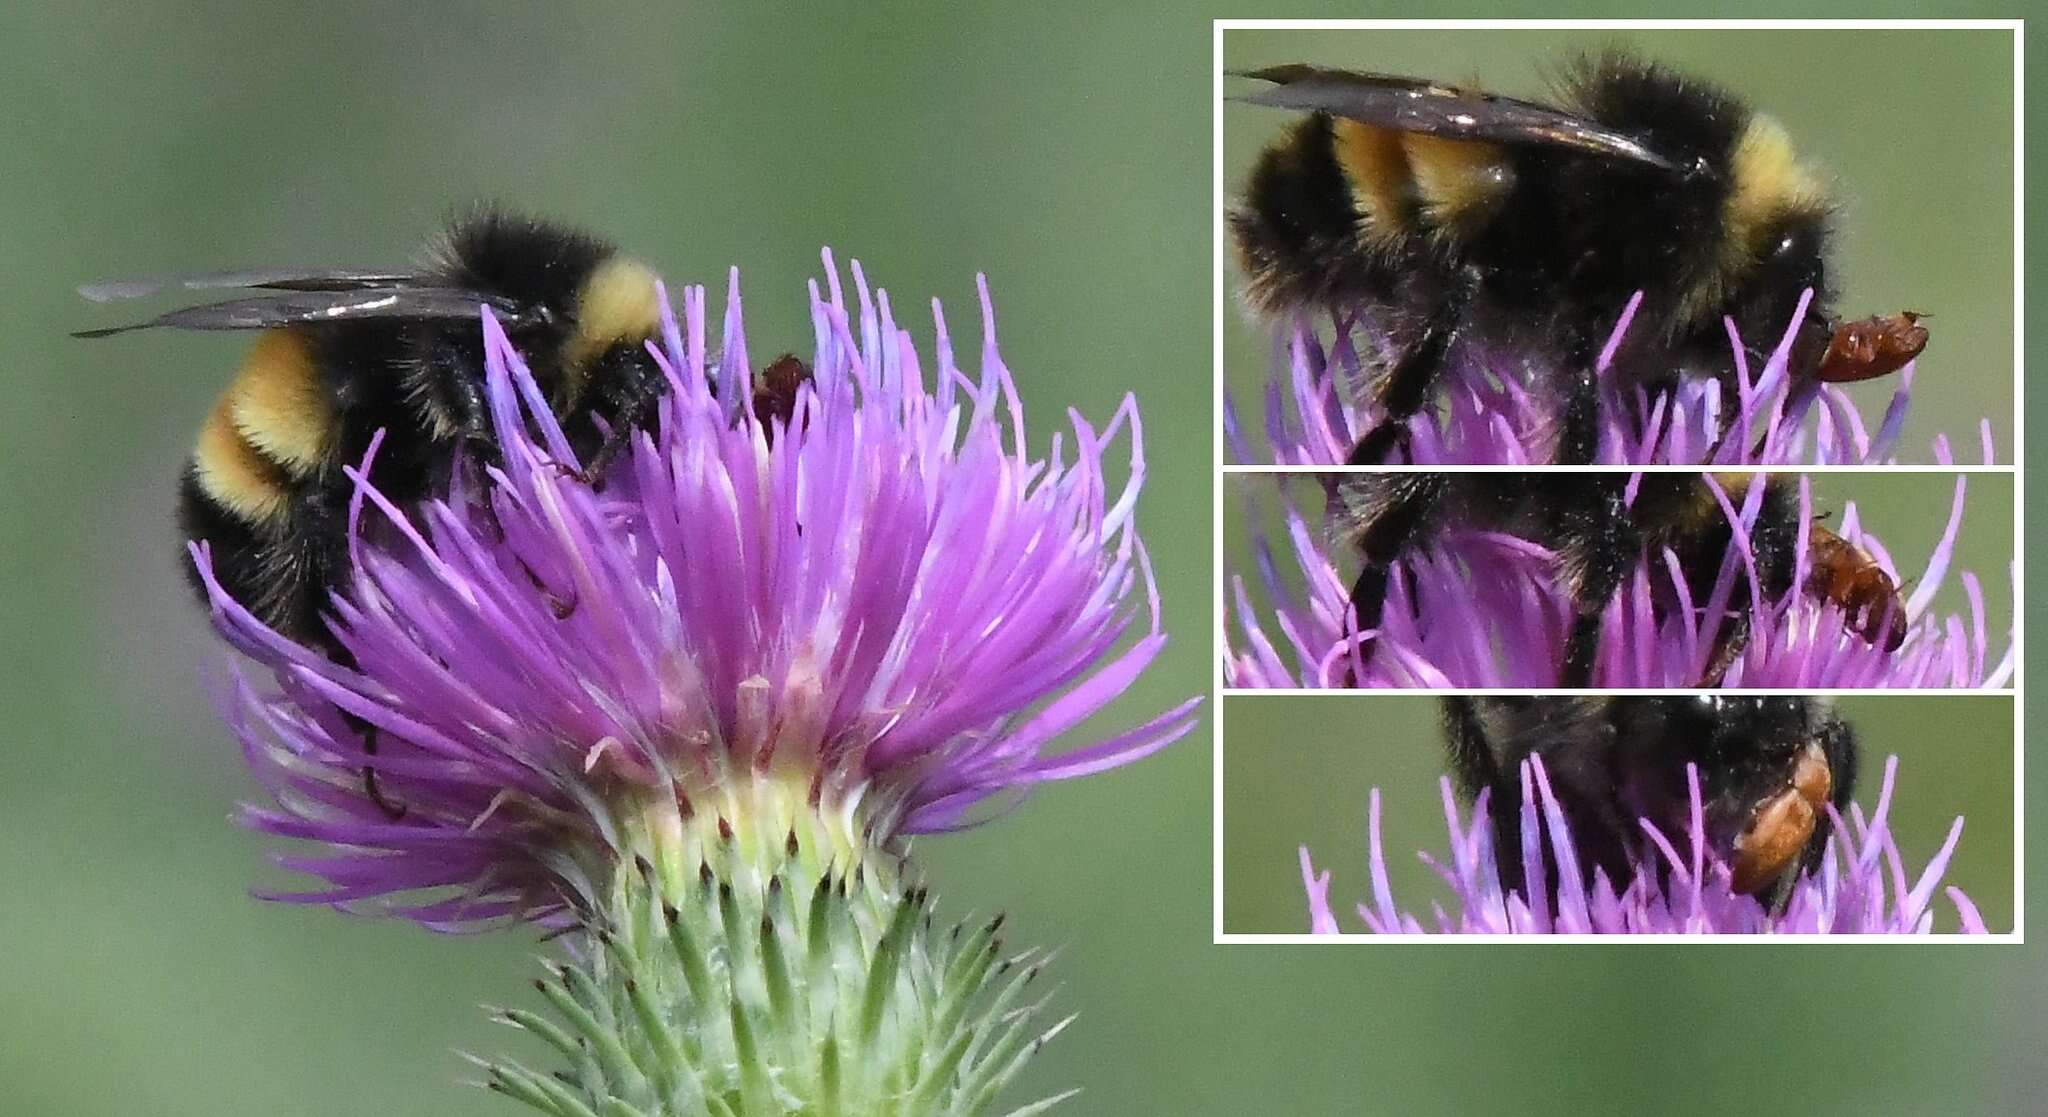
pixel 1578 437
pixel 1702 552
pixel 472 415
pixel 633 386
pixel 304 568
pixel 1476 768
pixel 608 451
pixel 1772 547
pixel 1728 644
pixel 1586 783
pixel 1601 547
pixel 1408 386
pixel 1413 379
pixel 1582 645
pixel 392 809
pixel 1504 817
pixel 624 425
pixel 446 393
pixel 1472 758
pixel 1390 511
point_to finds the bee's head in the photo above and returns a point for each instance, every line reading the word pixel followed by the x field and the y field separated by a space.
pixel 1773 242
pixel 1785 257
pixel 1775 222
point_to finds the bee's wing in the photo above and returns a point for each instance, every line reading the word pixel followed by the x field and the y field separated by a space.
pixel 1414 105
pixel 282 279
pixel 291 308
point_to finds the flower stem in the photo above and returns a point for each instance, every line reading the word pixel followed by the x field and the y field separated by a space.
pixel 774 977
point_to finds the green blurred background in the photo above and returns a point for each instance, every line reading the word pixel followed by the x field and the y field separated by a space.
pixel 1914 127
pixel 1297 770
pixel 1066 153
pixel 1907 512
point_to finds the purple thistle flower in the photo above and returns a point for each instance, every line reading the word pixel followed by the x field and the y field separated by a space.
pixel 883 612
pixel 1487 609
pixel 1861 887
pixel 1495 408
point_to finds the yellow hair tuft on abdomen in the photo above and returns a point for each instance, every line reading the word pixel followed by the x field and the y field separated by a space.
pixel 1376 167
pixel 233 474
pixel 279 406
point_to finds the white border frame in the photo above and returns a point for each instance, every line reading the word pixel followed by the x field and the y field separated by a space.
pixel 1220 303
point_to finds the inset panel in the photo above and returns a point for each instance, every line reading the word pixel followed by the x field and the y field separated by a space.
pixel 1331 802
pixel 1616 580
pixel 1499 246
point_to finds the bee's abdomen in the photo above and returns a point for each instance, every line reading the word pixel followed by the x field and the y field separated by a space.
pixel 262 451
pixel 259 563
pixel 232 473
pixel 1297 227
pixel 272 428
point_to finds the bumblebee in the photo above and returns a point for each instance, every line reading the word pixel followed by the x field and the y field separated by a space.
pixel 1600 534
pixel 1457 217
pixel 1769 767
pixel 341 354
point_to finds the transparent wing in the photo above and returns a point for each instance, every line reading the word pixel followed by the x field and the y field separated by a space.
pixel 263 312
pixel 1406 104
pixel 284 279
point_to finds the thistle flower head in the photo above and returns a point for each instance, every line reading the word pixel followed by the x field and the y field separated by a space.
pixel 1499 407
pixel 863 622
pixel 1490 609
pixel 1680 887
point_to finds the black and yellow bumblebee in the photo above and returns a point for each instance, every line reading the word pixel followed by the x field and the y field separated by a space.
pixel 1600 533
pixel 1454 217
pixel 1769 767
pixel 342 353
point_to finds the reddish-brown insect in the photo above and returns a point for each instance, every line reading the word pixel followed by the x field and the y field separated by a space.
pixel 776 389
pixel 1872 347
pixel 1845 574
pixel 1781 826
